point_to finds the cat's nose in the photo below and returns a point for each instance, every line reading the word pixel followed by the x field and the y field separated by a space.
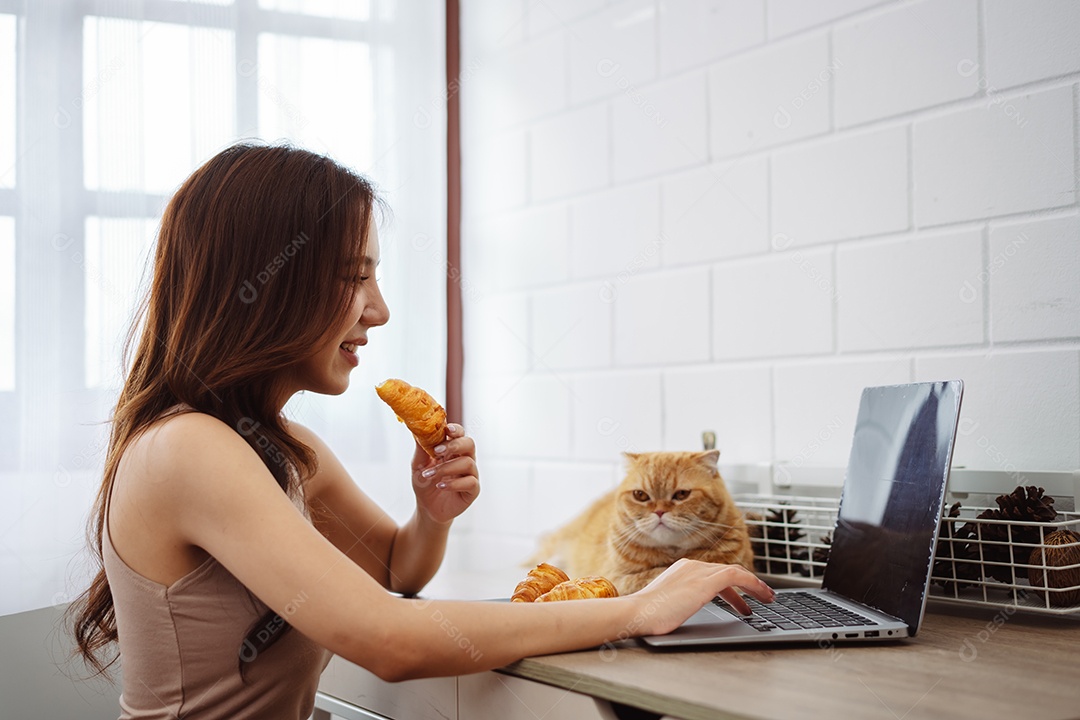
pixel 660 514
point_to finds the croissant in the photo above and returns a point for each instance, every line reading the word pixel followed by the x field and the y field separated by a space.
pixel 583 588
pixel 424 417
pixel 540 579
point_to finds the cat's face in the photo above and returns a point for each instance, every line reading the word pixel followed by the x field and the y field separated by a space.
pixel 672 499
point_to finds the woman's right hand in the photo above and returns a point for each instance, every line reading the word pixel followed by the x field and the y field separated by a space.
pixel 685 587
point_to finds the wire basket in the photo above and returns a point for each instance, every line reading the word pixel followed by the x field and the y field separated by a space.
pixel 790 534
pixel 1009 563
pixel 978 562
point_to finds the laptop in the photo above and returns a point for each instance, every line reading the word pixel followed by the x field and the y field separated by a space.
pixel 878 573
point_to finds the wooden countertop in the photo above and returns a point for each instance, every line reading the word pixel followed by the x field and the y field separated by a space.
pixel 964 663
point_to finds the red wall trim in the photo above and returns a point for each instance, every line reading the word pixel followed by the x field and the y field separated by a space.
pixel 455 356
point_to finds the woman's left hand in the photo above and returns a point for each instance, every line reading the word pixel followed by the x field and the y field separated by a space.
pixel 448 484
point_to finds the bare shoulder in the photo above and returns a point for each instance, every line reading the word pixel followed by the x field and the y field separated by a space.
pixel 178 448
pixel 164 472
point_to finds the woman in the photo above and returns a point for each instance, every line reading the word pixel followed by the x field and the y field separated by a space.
pixel 237 552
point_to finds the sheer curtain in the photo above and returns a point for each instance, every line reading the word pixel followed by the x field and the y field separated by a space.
pixel 105 107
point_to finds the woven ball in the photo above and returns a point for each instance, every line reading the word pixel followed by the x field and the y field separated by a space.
pixel 1060 548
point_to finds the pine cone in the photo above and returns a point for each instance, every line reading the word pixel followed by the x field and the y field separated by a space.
pixel 1024 504
pixel 820 555
pixel 772 557
pixel 954 545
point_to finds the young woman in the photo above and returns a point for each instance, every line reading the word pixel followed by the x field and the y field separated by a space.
pixel 237 553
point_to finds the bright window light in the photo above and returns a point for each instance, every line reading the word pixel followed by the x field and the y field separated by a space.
pixel 318 94
pixel 7 101
pixel 116 272
pixel 7 303
pixel 347 9
pixel 158 100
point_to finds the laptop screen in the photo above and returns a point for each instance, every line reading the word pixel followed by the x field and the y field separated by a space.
pixel 883 543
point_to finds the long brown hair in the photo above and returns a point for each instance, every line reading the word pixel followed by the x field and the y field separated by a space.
pixel 249 254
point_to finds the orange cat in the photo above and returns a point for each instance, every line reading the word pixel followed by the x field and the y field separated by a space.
pixel 670 505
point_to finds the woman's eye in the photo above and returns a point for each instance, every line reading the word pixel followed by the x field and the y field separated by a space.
pixel 641 495
pixel 680 495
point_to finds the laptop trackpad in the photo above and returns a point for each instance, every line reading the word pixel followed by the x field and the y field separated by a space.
pixel 719 622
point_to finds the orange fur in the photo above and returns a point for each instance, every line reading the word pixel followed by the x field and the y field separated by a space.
pixel 621 537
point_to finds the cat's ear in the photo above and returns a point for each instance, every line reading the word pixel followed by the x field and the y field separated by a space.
pixel 710 458
pixel 631 458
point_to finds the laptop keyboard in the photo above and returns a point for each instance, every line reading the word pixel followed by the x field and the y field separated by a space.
pixel 794 611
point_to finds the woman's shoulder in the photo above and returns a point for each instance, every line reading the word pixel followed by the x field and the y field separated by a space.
pixel 177 432
pixel 178 452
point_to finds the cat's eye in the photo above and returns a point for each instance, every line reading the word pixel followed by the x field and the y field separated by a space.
pixel 641 495
pixel 680 495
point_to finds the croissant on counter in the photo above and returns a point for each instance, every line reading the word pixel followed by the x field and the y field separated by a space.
pixel 425 418
pixel 592 586
pixel 540 579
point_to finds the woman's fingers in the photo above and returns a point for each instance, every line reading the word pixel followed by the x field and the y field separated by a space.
pixel 457 467
pixel 735 600
pixel 458 444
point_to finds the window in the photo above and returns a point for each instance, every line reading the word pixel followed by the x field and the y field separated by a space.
pixel 116 272
pixel 352 9
pixel 131 97
pixel 297 99
pixel 7 303
pixel 158 99
pixel 7 101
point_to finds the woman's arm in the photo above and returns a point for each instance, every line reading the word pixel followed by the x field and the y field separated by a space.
pixel 220 497
pixel 402 559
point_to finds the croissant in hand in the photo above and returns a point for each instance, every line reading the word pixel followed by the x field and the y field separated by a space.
pixel 592 586
pixel 413 406
pixel 540 579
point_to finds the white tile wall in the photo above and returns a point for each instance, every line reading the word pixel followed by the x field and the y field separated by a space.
pixel 1030 41
pixel 659 128
pixel 499 323
pixel 521 249
pixel 525 83
pixel 613 48
pixel 1009 154
pixel 718 211
pixel 528 415
pixel 551 14
pixel 695 32
pixel 662 318
pixel 733 402
pixel 816 403
pixel 789 16
pixel 560 491
pixel 616 412
pixel 497 174
pixel 503 505
pixel 1034 279
pixel 774 95
pixel 569 153
pixel 880 308
pixel 751 212
pixel 907 58
pixel 851 186
pixel 571 327
pixel 1019 410
pixel 792 312
pixel 616 232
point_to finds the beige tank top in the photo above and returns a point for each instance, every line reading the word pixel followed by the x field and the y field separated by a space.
pixel 181 648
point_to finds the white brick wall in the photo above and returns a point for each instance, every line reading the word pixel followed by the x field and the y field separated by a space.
pixel 733 215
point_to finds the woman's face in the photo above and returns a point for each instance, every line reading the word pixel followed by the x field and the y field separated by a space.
pixel 327 372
